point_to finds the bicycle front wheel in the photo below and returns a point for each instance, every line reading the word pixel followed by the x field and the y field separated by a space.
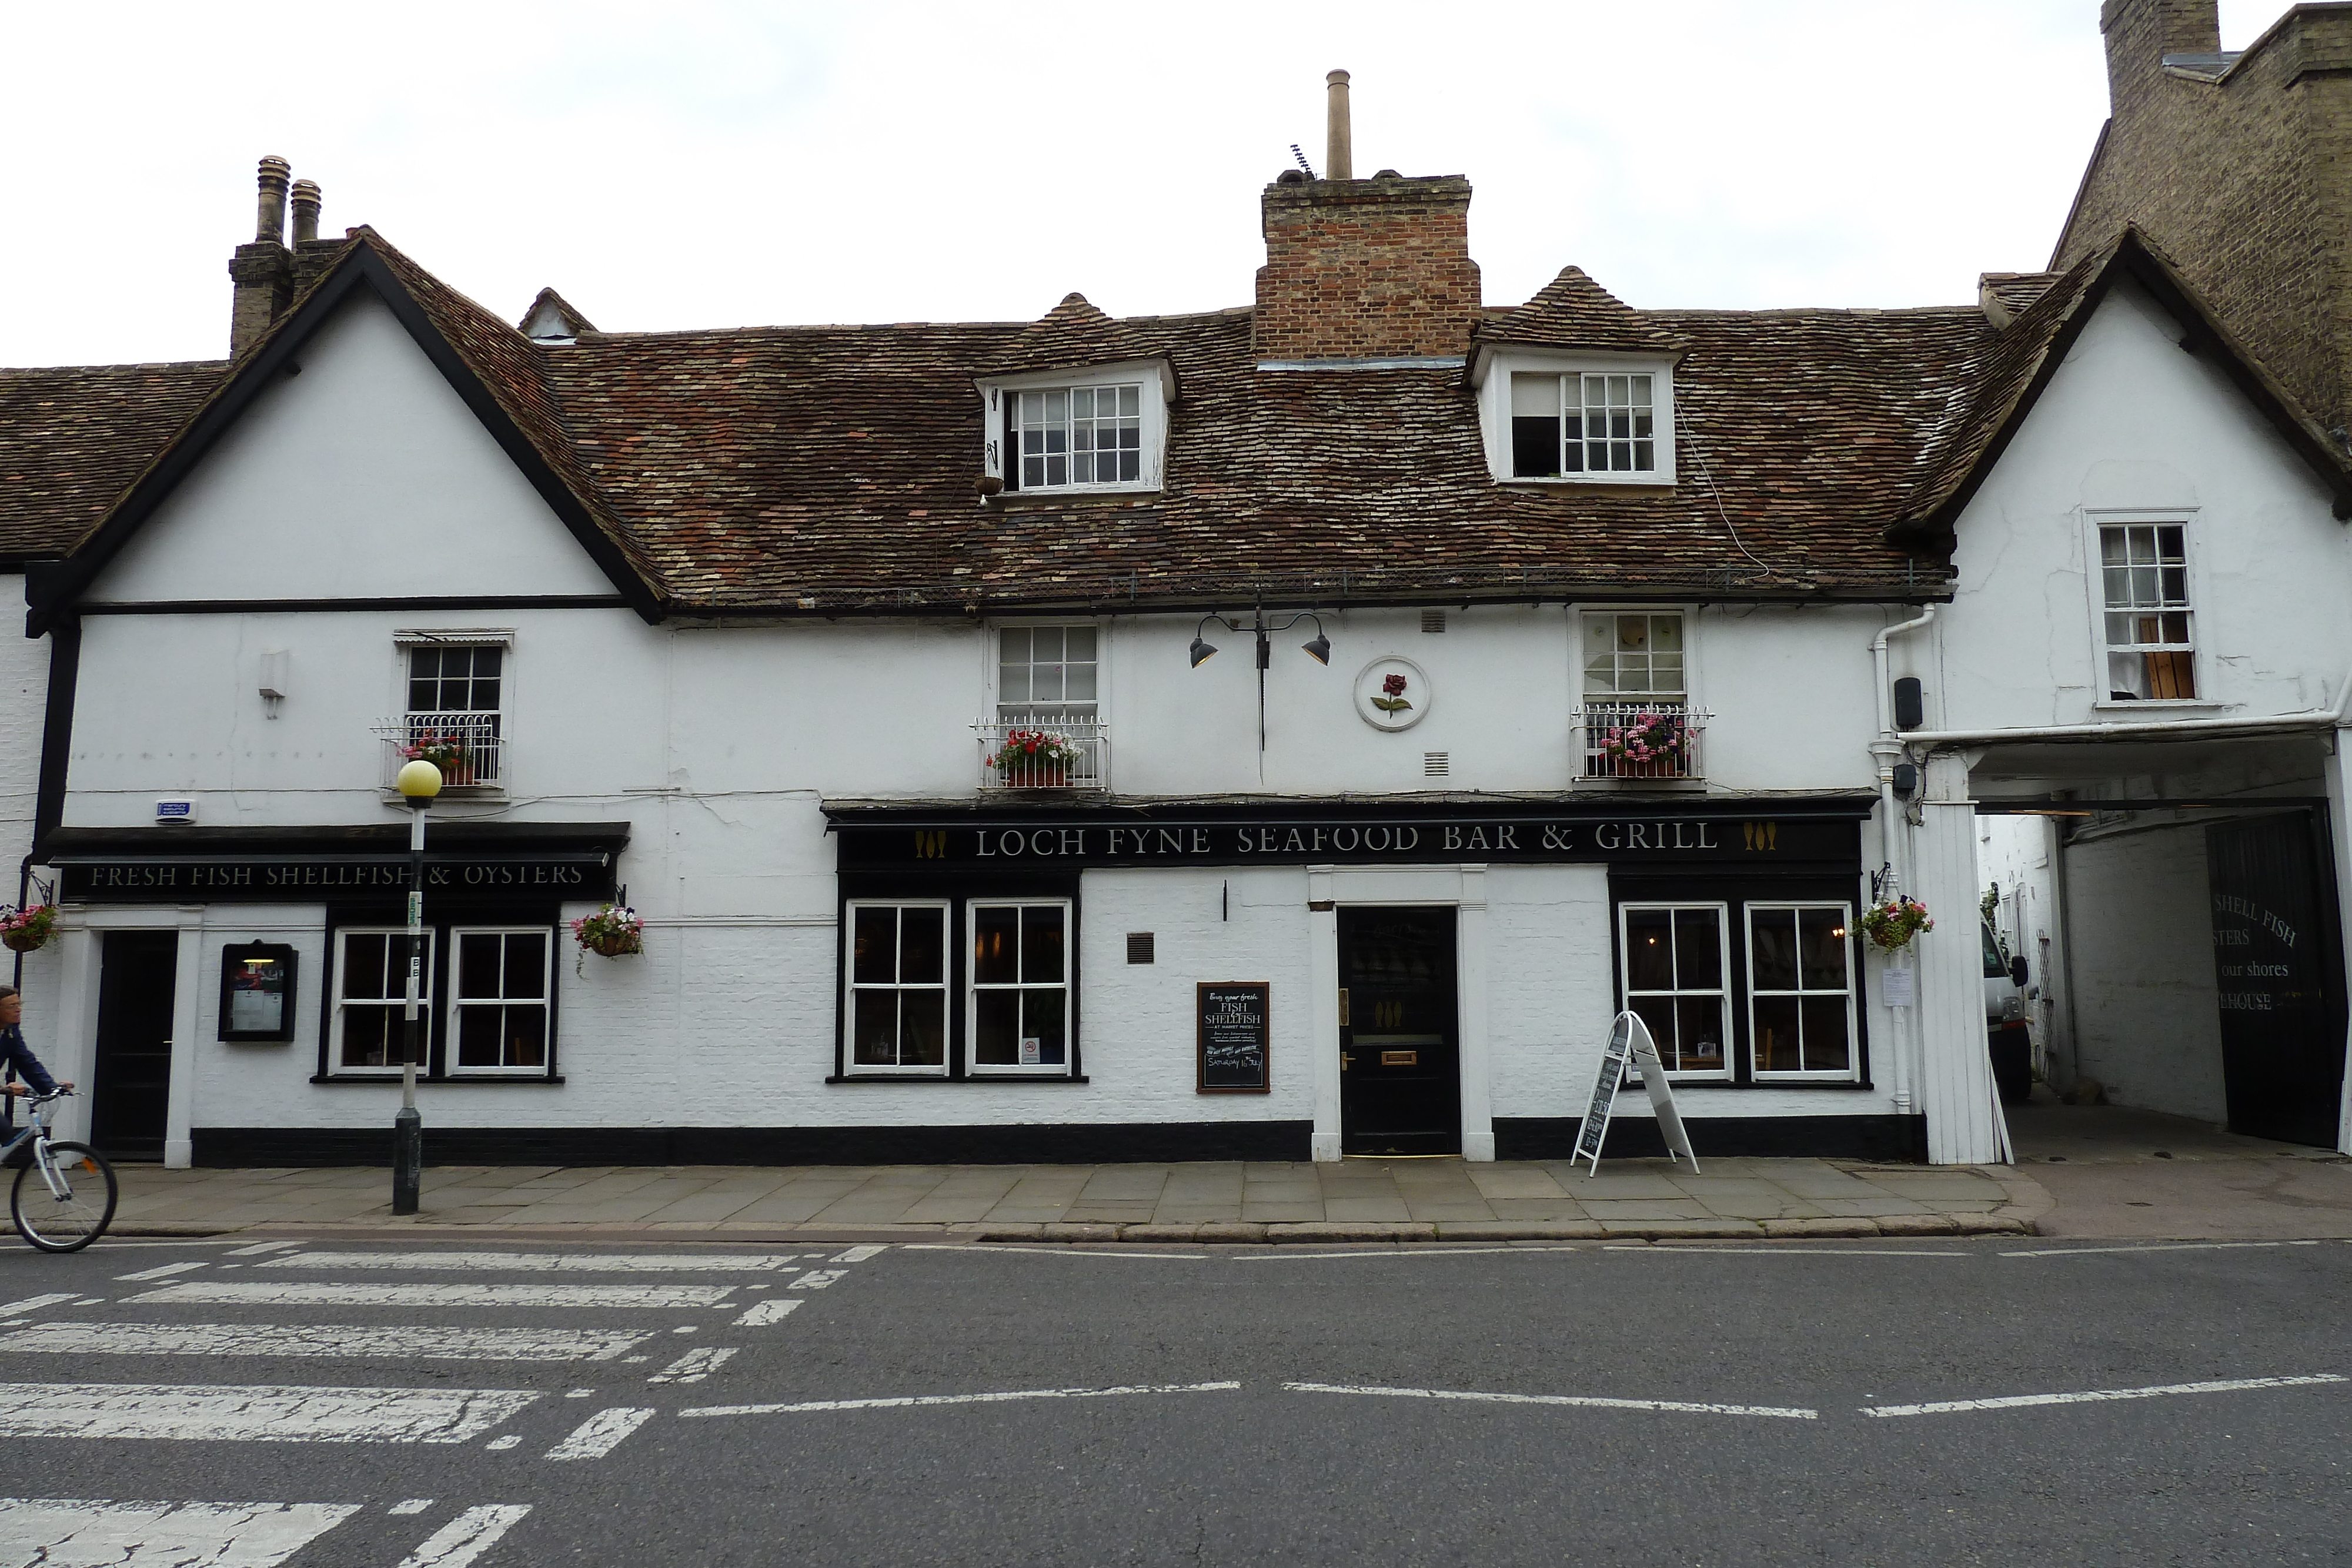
pixel 76 1212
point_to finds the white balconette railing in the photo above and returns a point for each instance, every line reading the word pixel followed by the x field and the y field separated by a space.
pixel 465 746
pixel 1640 740
pixel 1044 752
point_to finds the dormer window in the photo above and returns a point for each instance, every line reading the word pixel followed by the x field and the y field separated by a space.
pixel 1577 424
pixel 1078 431
pixel 1555 417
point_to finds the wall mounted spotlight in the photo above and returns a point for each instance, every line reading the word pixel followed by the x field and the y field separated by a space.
pixel 1261 630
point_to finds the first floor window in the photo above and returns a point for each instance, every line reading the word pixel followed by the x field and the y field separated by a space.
pixel 1019 987
pixel 1634 654
pixel 1048 672
pixel 455 704
pixel 2144 581
pixel 1673 972
pixel 898 987
pixel 1800 988
pixel 370 998
pixel 499 1010
pixel 1077 435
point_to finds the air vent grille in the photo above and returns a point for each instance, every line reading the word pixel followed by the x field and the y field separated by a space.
pixel 1433 620
pixel 1436 764
pixel 1139 948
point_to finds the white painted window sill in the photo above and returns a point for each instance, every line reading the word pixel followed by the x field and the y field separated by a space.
pixel 2161 705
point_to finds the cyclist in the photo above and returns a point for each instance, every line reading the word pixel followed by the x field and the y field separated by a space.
pixel 18 1058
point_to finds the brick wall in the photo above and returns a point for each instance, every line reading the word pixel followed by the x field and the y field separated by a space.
pixel 2246 183
pixel 1367 268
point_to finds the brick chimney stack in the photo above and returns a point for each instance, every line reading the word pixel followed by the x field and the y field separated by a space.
pixel 1364 269
pixel 2140 33
pixel 263 272
pixel 306 211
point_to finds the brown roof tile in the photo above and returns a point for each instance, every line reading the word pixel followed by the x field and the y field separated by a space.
pixel 72 440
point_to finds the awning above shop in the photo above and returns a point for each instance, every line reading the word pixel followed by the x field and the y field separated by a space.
pixel 565 861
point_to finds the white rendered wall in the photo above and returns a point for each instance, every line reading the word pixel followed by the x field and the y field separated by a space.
pixel 365 476
pixel 2148 1024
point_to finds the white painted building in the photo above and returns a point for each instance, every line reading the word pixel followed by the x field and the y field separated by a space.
pixel 731 622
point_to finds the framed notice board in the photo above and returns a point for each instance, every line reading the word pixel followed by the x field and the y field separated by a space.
pixel 1233 1036
pixel 257 992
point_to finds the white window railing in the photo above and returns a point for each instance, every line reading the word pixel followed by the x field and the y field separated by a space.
pixel 466 746
pixel 1640 740
pixel 1044 752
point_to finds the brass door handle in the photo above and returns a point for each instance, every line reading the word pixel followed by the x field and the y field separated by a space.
pixel 1347 1060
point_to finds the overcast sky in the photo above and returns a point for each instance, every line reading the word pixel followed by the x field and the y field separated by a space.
pixel 727 164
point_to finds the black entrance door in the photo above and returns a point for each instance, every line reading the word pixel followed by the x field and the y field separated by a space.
pixel 132 1085
pixel 1399 1069
pixel 2279 967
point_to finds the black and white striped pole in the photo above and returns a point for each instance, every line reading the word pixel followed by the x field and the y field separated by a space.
pixel 418 783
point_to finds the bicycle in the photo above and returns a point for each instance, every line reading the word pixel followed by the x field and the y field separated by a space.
pixel 64 1194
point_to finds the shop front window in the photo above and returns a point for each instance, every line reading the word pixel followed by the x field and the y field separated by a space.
pixel 897 994
pixel 1020 988
pixel 1800 989
pixel 371 1000
pixel 1675 978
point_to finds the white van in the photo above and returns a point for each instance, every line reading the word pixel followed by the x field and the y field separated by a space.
pixel 2008 1021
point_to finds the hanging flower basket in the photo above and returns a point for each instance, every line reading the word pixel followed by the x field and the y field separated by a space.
pixel 1891 925
pixel 27 930
pixel 611 931
pixel 1034 759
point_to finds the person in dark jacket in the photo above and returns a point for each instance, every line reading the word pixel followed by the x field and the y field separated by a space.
pixel 16 1060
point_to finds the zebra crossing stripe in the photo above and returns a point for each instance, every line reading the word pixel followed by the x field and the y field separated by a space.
pixel 164 1272
pixel 774 1310
pixel 535 1262
pixel 263 1413
pixel 859 1254
pixel 347 1342
pixel 35 1303
pixel 600 1433
pixel 466 1537
pixel 695 1365
pixel 261 1249
pixel 816 1281
pixel 290 1293
pixel 65 1530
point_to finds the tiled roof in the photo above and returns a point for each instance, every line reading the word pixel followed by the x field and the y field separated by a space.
pixel 557 311
pixel 1573 311
pixel 2013 291
pixel 73 439
pixel 831 469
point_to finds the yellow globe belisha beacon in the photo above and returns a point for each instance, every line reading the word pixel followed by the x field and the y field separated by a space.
pixel 419 780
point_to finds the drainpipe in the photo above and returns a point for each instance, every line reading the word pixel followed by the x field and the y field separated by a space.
pixel 1884 751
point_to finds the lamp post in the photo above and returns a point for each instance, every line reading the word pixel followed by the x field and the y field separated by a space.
pixel 417 782
pixel 1318 648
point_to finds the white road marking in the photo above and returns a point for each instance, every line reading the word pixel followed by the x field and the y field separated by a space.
pixel 262 1414
pixel 2162 1247
pixel 72 1532
pixel 600 1433
pixel 2097 1395
pixel 989 1249
pixel 906 1401
pixel 695 1365
pixel 336 1340
pixel 776 1309
pixel 1766 1249
pixel 263 1249
pixel 816 1281
pixel 275 1293
pixel 585 1392
pixel 1579 1399
pixel 540 1263
pixel 35 1303
pixel 466 1537
pixel 413 1505
pixel 164 1272
pixel 859 1254
pixel 500 1445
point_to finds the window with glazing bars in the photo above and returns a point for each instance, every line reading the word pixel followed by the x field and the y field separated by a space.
pixel 1675 978
pixel 2144 577
pixel 1800 988
pixel 1046 672
pixel 372 998
pixel 898 987
pixel 1020 988
pixel 1076 435
pixel 498 1015
pixel 1564 426
pixel 1634 654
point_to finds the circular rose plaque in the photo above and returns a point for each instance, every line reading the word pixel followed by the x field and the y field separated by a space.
pixel 1393 694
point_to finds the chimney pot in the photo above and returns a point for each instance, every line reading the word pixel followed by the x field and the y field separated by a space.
pixel 269 223
pixel 305 210
pixel 1339 142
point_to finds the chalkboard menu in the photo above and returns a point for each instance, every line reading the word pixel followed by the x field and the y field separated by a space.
pixel 1234 1035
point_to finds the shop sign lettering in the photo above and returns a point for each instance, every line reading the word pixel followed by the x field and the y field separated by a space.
pixel 262 879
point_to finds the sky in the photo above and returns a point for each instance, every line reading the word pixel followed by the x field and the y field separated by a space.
pixel 701 164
